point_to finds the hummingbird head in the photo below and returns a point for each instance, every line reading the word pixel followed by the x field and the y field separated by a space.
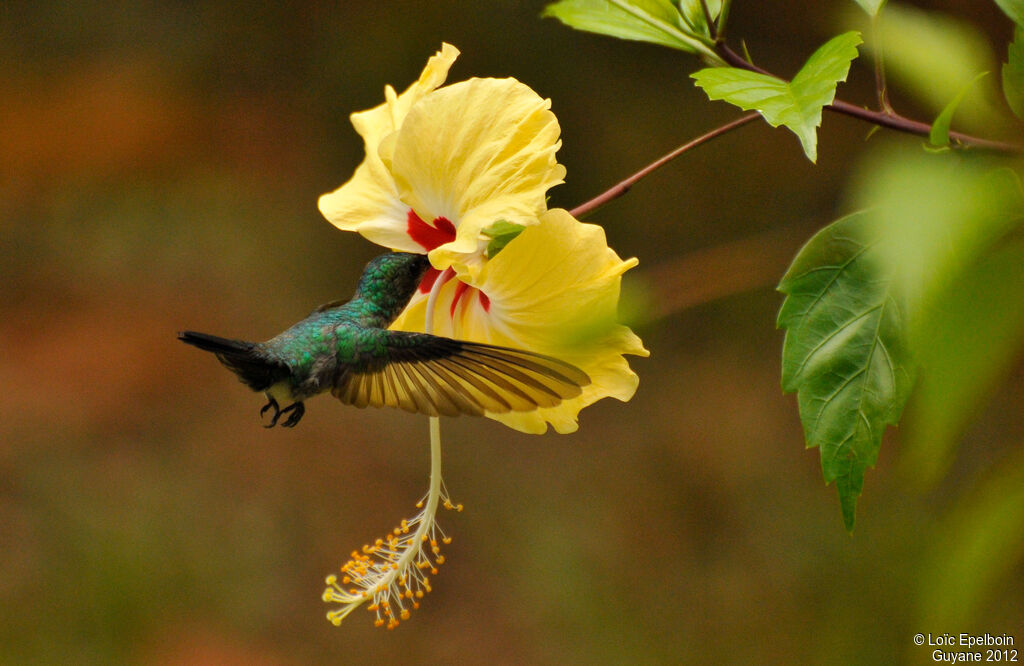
pixel 395 274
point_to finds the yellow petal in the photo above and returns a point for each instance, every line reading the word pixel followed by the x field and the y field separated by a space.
pixel 477 152
pixel 376 123
pixel 369 202
pixel 553 290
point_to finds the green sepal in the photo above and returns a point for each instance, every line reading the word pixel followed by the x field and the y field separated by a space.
pixel 501 234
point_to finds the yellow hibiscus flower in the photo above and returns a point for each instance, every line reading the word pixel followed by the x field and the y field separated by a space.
pixel 444 163
pixel 444 167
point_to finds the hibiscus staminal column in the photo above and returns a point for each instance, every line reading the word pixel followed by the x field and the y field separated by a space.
pixel 394 573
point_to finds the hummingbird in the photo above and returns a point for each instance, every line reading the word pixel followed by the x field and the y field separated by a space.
pixel 346 348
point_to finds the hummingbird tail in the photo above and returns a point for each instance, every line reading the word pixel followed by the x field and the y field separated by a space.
pixel 243 358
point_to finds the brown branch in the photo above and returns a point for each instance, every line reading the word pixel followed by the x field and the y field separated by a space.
pixel 890 120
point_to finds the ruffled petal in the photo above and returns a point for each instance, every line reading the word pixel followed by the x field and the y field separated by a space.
pixel 369 203
pixel 553 290
pixel 376 123
pixel 477 152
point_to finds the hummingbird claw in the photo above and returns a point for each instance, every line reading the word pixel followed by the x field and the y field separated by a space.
pixel 297 410
pixel 272 404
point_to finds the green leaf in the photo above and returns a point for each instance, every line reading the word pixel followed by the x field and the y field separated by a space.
pixel 845 351
pixel 975 333
pixel 1013 74
pixel 939 134
pixel 1014 9
pixel 654 21
pixel 877 298
pixel 796 104
pixel 501 234
pixel 872 7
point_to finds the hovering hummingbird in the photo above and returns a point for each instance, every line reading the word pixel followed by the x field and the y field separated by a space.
pixel 347 349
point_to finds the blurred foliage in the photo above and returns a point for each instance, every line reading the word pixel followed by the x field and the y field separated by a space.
pixel 935 56
pixel 159 170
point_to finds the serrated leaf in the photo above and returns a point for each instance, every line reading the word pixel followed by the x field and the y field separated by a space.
pixel 872 7
pixel 868 295
pixel 1014 9
pixel 796 104
pixel 845 351
pixel 1013 74
pixel 939 134
pixel 654 21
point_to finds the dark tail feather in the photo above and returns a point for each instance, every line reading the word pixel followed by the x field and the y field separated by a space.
pixel 242 358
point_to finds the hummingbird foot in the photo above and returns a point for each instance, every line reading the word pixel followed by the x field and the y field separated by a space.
pixel 297 410
pixel 272 404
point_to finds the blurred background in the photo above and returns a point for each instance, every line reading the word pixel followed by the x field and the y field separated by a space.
pixel 159 169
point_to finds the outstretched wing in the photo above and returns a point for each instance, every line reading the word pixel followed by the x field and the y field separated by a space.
pixel 432 375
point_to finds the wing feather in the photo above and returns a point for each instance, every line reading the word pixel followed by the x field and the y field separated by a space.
pixel 416 395
pixel 433 375
pixel 491 399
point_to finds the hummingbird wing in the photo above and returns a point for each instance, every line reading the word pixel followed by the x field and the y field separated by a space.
pixel 433 375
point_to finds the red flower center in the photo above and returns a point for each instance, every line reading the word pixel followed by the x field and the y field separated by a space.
pixel 429 236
